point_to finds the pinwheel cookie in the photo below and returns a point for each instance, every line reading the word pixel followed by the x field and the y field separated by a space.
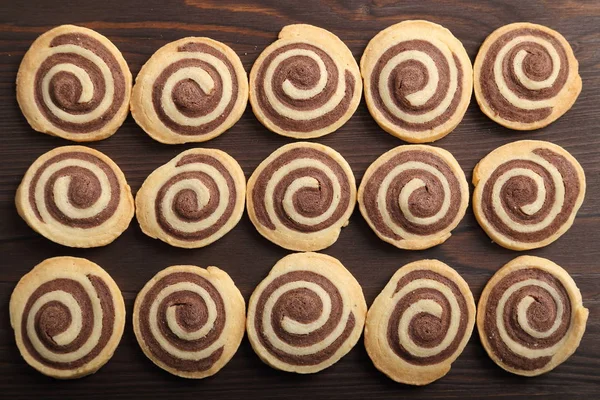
pixel 306 84
pixel 75 196
pixel 527 193
pixel 190 320
pixel 530 316
pixel 420 323
pixel 418 80
pixel 68 316
pixel 413 196
pixel 192 200
pixel 306 314
pixel 301 196
pixel 74 83
pixel 526 76
pixel 190 90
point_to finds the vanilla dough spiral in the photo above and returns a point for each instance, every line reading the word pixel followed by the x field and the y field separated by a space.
pixel 74 83
pixel 68 316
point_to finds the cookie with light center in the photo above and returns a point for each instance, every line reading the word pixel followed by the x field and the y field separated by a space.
pixel 526 76
pixel 74 83
pixel 420 323
pixel 75 196
pixel 301 196
pixel 68 316
pixel 418 80
pixel 193 200
pixel 189 320
pixel 530 316
pixel 527 193
pixel 306 314
pixel 306 84
pixel 413 196
pixel 190 90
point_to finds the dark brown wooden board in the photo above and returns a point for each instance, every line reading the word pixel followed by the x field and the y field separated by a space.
pixel 138 28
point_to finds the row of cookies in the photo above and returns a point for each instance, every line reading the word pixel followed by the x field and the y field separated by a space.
pixel 418 79
pixel 526 196
pixel 68 316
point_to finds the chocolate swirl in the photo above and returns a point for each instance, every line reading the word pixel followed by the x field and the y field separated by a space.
pixel 181 319
pixel 194 95
pixel 59 326
pixel 429 319
pixel 420 323
pixel 194 199
pixel 303 315
pixel 74 189
pixel 417 84
pixel 68 316
pixel 80 86
pixel 306 84
pixel 530 316
pixel 530 199
pixel 523 73
pixel 302 190
pixel 414 196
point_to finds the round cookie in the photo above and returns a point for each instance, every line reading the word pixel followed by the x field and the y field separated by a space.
pixel 527 193
pixel 530 316
pixel 189 320
pixel 301 196
pixel 420 323
pixel 75 196
pixel 68 316
pixel 306 84
pixel 190 90
pixel 413 196
pixel 306 314
pixel 75 84
pixel 193 200
pixel 418 80
pixel 526 76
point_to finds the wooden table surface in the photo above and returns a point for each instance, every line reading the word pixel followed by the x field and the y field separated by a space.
pixel 140 27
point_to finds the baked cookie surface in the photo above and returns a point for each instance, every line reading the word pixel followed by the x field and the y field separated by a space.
pixel 413 196
pixel 193 200
pixel 306 314
pixel 189 320
pixel 301 196
pixel 75 84
pixel 190 90
pixel 418 80
pixel 420 323
pixel 530 316
pixel 526 76
pixel 75 196
pixel 306 84
pixel 68 316
pixel 527 193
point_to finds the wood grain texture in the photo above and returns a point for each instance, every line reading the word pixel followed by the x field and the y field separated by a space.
pixel 138 28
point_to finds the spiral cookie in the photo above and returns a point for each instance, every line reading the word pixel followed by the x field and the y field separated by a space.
pixel 526 76
pixel 74 83
pixel 530 316
pixel 413 196
pixel 68 316
pixel 192 200
pixel 306 314
pixel 420 323
pixel 190 90
pixel 418 80
pixel 527 193
pixel 75 196
pixel 301 196
pixel 189 320
pixel 306 84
